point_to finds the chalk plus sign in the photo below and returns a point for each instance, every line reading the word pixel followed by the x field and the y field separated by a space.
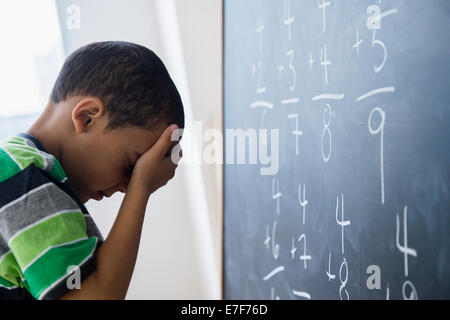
pixel 293 249
pixel 358 42
pixel 311 61
pixel 267 240
pixel 324 62
pixel 322 6
pixel 288 20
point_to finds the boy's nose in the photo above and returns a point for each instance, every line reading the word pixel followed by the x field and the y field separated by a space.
pixel 123 187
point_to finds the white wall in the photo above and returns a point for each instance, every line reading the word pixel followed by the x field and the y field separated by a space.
pixel 201 36
pixel 180 256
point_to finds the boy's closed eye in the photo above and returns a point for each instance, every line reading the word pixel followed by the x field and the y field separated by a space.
pixel 130 169
pixel 131 164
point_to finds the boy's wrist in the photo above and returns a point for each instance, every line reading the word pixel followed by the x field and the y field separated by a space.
pixel 134 186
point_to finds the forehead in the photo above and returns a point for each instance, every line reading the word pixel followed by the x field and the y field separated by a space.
pixel 136 139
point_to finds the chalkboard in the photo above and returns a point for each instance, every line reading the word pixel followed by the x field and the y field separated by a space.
pixel 354 98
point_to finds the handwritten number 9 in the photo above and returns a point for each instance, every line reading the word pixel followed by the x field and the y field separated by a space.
pixel 379 130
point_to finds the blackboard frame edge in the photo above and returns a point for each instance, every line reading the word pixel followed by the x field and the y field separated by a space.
pixel 221 16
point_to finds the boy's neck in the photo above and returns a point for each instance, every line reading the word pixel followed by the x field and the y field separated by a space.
pixel 48 132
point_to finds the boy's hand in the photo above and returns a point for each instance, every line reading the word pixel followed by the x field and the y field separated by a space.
pixel 155 167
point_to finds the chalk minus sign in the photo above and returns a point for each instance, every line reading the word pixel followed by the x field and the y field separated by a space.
pixel 375 92
pixel 261 104
pixel 273 272
pixel 302 294
pixel 290 101
pixel 328 96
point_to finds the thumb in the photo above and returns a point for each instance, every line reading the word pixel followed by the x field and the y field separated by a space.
pixel 164 142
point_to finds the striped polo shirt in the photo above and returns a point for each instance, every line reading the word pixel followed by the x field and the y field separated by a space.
pixel 47 236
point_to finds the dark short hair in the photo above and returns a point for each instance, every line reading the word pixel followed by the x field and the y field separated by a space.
pixel 130 79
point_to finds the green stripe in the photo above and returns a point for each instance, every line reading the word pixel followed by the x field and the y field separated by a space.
pixel 60 229
pixel 10 271
pixel 24 154
pixel 9 167
pixel 6 283
pixel 51 266
pixel 15 140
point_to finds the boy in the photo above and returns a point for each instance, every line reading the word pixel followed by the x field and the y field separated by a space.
pixel 105 129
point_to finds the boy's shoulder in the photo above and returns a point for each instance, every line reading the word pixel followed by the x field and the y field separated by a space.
pixel 44 227
pixel 18 152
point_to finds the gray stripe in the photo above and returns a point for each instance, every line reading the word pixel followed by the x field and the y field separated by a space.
pixel 3 246
pixel 49 161
pixel 91 228
pixel 48 158
pixel 35 205
pixel 29 143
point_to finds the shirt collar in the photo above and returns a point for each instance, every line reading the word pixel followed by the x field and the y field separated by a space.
pixel 33 139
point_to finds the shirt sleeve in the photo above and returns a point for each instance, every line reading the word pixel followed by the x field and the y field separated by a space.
pixel 52 242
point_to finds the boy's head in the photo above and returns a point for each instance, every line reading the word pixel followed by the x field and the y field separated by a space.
pixel 110 103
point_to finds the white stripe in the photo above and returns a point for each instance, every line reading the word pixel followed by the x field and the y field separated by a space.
pixel 62 278
pixel 21 168
pixel 9 288
pixel 25 195
pixel 45 161
pixel 51 247
pixel 40 221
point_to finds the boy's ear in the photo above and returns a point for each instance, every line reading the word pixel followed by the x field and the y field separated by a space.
pixel 86 112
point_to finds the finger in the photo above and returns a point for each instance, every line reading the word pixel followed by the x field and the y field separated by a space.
pixel 164 142
pixel 169 168
pixel 169 163
pixel 172 145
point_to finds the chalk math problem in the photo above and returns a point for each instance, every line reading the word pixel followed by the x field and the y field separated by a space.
pixel 360 205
